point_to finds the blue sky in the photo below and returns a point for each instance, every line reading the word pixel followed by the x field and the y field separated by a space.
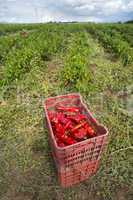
pixel 31 11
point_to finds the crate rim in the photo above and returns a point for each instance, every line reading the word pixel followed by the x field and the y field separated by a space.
pixel 64 95
pixel 78 143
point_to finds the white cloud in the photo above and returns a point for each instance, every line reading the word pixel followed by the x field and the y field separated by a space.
pixel 85 7
pixel 94 19
pixel 46 17
pixel 113 6
pixel 130 6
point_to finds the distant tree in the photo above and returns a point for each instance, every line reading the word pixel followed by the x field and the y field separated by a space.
pixel 129 22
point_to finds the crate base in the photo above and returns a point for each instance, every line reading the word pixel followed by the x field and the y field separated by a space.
pixel 74 175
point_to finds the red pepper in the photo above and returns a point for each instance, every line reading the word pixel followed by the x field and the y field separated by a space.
pixel 90 131
pixel 51 114
pixel 77 118
pixel 80 134
pixel 68 125
pixel 59 128
pixel 55 120
pixel 67 140
pixel 78 126
pixel 69 109
pixel 63 119
pixel 60 116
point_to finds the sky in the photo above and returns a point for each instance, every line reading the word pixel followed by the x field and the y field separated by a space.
pixel 34 11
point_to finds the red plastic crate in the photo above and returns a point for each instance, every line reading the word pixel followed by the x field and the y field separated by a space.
pixel 83 152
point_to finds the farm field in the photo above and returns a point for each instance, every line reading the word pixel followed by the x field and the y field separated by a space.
pixel 42 60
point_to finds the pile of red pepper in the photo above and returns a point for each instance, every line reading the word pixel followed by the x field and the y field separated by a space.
pixel 70 126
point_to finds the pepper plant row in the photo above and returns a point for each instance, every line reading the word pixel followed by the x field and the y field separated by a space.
pixel 75 73
pixel 21 53
pixel 113 41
